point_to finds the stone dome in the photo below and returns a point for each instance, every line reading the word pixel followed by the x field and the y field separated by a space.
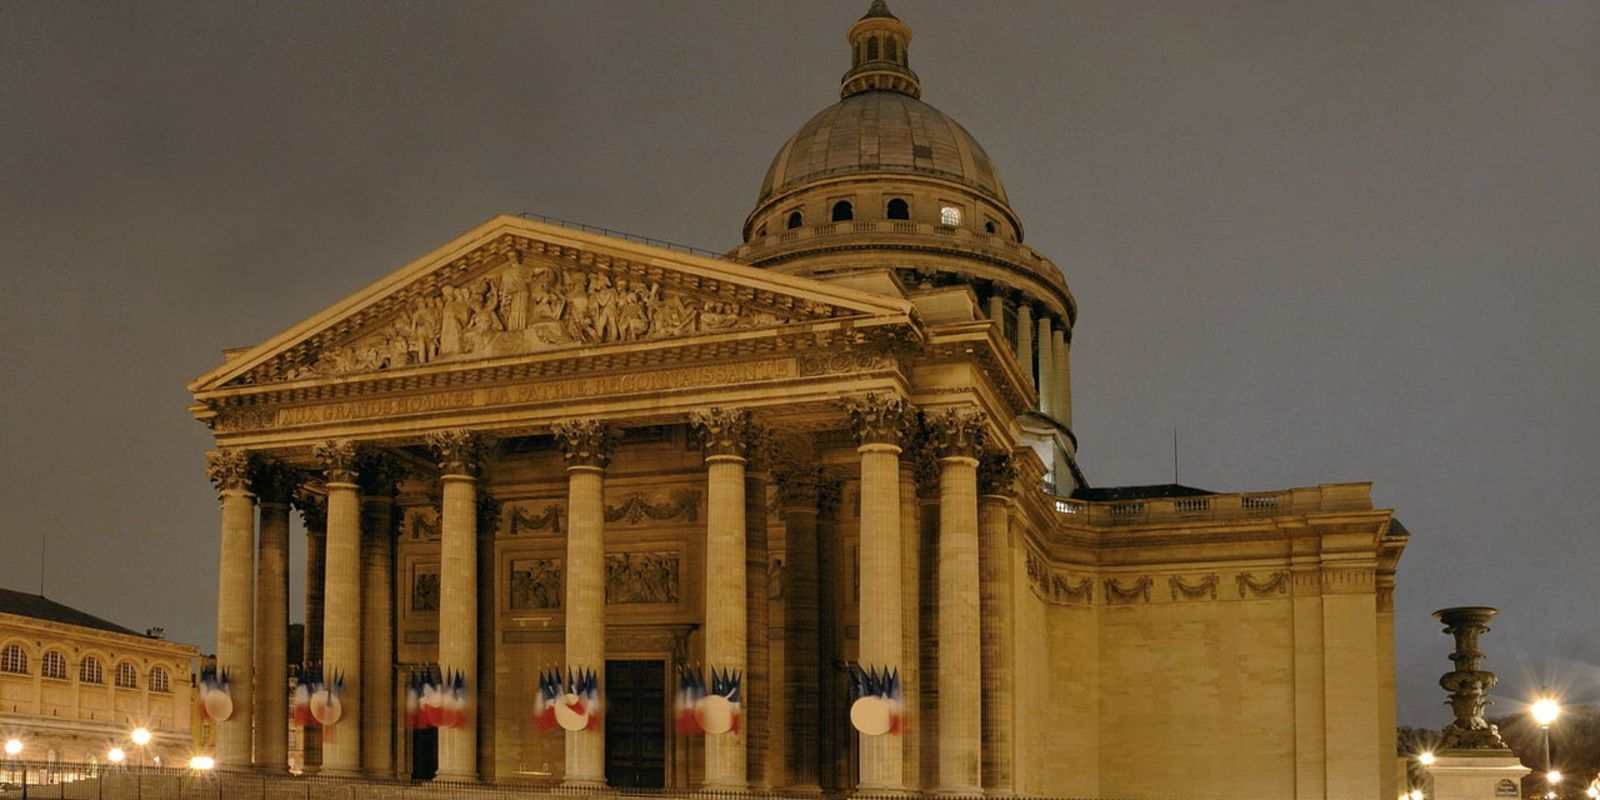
pixel 882 131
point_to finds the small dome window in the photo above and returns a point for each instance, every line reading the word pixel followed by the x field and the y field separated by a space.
pixel 762 231
pixel 898 209
pixel 990 227
pixel 950 215
pixel 53 665
pixel 889 50
pixel 795 220
pixel 843 211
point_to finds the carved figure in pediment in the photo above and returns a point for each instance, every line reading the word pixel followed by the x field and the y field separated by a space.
pixel 633 309
pixel 457 313
pixel 719 315
pixel 603 304
pixel 675 316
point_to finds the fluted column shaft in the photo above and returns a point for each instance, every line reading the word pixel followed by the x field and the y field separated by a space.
pixel 757 713
pixel 1047 368
pixel 997 653
pixel 802 642
pixel 725 605
pixel 960 710
pixel 377 636
pixel 458 618
pixel 341 624
pixel 881 641
pixel 586 609
pixel 272 637
pixel 997 311
pixel 910 626
pixel 235 604
pixel 314 513
pixel 1025 340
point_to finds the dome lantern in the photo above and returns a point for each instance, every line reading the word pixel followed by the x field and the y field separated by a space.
pixel 879 57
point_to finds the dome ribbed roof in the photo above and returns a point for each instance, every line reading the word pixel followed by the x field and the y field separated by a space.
pixel 878 132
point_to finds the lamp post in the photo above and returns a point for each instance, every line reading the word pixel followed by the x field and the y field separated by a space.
pixel 1545 711
pixel 14 749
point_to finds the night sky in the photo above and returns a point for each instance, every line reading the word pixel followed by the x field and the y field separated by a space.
pixel 1324 241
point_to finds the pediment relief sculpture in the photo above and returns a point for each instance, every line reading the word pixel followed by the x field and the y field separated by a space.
pixel 522 307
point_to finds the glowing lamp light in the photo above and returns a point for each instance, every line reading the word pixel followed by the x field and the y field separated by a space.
pixel 13 747
pixel 1426 759
pixel 1416 794
pixel 141 736
pixel 202 763
pixel 1593 791
pixel 1553 776
pixel 1545 710
pixel 116 755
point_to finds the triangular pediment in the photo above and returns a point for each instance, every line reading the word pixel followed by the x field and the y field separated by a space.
pixel 514 287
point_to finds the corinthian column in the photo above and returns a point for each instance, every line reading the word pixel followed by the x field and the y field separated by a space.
pixel 959 437
pixel 229 470
pixel 725 434
pixel 458 452
pixel 379 475
pixel 313 509
pixel 275 485
pixel 797 493
pixel 996 476
pixel 1025 340
pixel 341 622
pixel 587 445
pixel 878 422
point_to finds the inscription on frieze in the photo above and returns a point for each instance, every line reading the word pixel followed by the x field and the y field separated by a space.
pixel 535 583
pixel 642 578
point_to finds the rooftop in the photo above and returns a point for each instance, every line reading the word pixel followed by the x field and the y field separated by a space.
pixel 37 606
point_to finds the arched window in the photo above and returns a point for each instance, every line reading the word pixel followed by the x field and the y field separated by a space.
pixel 127 676
pixel 795 219
pixel 90 671
pixel 872 49
pixel 160 681
pixel 53 665
pixel 761 231
pixel 950 215
pixel 856 54
pixel 898 209
pixel 843 211
pixel 990 227
pixel 889 49
pixel 14 660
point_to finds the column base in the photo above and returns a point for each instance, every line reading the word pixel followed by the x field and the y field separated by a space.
pixel 456 777
pixel 808 789
pixel 959 791
pixel 342 774
pixel 1474 775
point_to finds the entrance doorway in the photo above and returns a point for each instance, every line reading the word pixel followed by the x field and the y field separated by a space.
pixel 636 724
pixel 424 753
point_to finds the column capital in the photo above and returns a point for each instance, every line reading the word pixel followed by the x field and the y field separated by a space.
pixel 459 452
pixel 880 419
pixel 957 433
pixel 997 473
pixel 338 459
pixel 726 432
pixel 229 469
pixel 379 473
pixel 830 491
pixel 313 509
pixel 585 442
pixel 798 487
pixel 274 481
pixel 488 514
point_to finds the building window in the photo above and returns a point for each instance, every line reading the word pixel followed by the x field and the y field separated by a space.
pixel 761 231
pixel 90 671
pixel 872 49
pixel 160 681
pixel 127 677
pixel 14 660
pixel 889 50
pixel 898 209
pixel 795 220
pixel 53 665
pixel 843 211
pixel 950 215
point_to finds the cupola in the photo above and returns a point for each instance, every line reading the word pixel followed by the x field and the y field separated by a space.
pixel 879 55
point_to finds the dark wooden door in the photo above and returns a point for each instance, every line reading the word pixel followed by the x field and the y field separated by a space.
pixel 636 724
pixel 424 753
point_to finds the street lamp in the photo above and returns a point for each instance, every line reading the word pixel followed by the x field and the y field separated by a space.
pixel 1545 711
pixel 1416 794
pixel 1426 758
pixel 116 756
pixel 202 763
pixel 13 747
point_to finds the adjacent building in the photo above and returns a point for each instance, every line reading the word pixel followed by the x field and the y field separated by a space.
pixel 73 686
pixel 844 446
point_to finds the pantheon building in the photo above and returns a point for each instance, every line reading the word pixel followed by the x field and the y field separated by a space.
pixel 843 448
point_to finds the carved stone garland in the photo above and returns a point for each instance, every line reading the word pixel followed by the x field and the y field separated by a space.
pixel 1206 586
pixel 1276 583
pixel 1117 593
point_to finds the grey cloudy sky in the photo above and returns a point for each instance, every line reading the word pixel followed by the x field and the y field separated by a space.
pixel 1326 241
